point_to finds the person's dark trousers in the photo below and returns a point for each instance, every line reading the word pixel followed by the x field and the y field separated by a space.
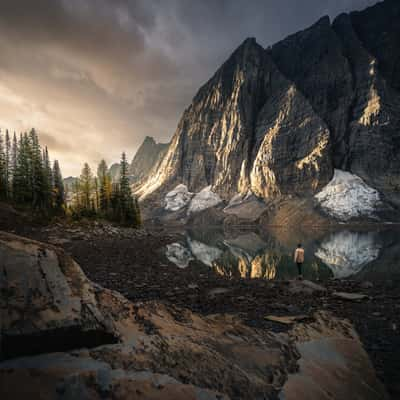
pixel 299 268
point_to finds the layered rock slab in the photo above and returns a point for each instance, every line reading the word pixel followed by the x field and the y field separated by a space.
pixel 46 301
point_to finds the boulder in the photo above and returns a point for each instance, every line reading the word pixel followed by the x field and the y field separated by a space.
pixel 47 303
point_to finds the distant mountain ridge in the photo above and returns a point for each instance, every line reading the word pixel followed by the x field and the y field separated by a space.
pixel 148 156
pixel 279 121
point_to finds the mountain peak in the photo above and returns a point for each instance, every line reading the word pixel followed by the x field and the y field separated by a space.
pixel 149 140
pixel 249 43
pixel 323 21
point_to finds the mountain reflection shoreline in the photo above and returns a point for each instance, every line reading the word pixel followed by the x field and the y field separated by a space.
pixel 268 254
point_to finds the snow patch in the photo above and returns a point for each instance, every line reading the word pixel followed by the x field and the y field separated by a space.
pixel 177 198
pixel 179 255
pixel 347 196
pixel 346 253
pixel 206 198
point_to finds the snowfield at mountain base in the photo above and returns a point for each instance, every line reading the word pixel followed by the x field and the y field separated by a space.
pixel 347 196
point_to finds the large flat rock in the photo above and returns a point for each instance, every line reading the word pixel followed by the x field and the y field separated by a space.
pixel 46 303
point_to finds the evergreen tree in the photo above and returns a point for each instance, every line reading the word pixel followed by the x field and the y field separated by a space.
pixel 3 172
pixel 138 216
pixel 58 188
pixel 14 153
pixel 125 211
pixel 26 176
pixel 8 164
pixel 76 189
pixel 86 185
pixel 116 203
pixel 23 178
pixel 47 181
pixel 105 187
pixel 37 176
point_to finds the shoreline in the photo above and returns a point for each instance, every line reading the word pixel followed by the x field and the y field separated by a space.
pixel 137 267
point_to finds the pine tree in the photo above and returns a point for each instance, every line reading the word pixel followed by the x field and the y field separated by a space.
pixel 23 176
pixel 47 180
pixel 96 193
pixel 138 216
pixel 3 173
pixel 126 210
pixel 104 186
pixel 38 176
pixel 14 155
pixel 86 185
pixel 117 214
pixel 76 188
pixel 8 164
pixel 58 188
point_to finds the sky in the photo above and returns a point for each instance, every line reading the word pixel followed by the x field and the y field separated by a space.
pixel 94 77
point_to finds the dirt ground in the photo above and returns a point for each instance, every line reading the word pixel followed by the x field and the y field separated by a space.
pixel 135 265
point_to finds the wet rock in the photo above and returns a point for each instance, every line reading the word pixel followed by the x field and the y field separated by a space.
pixel 350 296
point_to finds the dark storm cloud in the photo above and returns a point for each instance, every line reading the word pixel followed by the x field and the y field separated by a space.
pixel 99 75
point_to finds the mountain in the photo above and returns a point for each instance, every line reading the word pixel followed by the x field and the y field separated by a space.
pixel 147 156
pixel 278 122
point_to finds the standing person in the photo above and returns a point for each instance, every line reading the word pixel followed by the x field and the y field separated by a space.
pixel 299 259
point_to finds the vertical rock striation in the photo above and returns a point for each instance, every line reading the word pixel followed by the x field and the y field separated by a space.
pixel 278 121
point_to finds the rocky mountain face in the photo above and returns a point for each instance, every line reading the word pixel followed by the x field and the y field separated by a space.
pixel 148 156
pixel 278 121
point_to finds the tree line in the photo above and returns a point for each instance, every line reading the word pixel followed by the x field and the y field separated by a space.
pixel 97 196
pixel 27 178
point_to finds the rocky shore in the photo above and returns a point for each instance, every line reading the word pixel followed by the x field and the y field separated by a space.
pixel 133 263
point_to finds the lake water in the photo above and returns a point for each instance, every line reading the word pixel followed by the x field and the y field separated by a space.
pixel 359 254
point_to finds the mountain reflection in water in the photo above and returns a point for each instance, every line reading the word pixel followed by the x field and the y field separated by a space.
pixel 269 254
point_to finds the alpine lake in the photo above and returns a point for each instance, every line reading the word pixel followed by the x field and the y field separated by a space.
pixel 367 253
